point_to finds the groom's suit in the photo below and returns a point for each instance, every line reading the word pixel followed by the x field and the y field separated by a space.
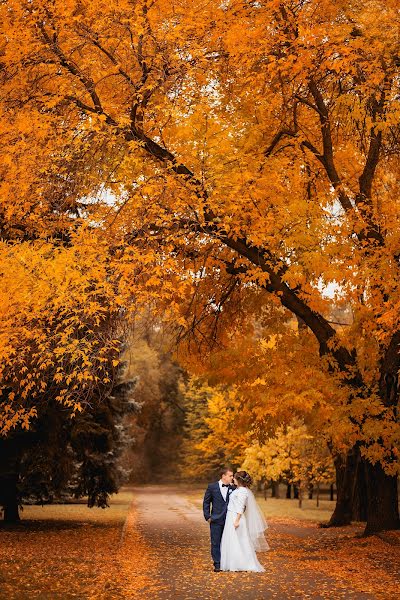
pixel 215 507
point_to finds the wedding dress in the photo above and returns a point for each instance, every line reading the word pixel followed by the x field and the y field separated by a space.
pixel 239 545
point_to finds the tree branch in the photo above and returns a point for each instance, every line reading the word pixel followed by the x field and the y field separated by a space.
pixel 94 39
pixel 371 231
pixel 276 139
pixel 87 82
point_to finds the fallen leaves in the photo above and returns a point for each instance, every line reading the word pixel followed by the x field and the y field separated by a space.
pixel 153 544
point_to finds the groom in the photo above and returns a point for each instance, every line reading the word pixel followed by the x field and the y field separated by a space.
pixel 215 505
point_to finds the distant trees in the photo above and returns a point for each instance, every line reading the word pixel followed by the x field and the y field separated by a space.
pixel 157 426
pixel 217 433
pixel 209 441
pixel 292 455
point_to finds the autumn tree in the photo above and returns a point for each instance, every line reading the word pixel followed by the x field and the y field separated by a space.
pixel 268 158
pixel 292 455
pixel 211 438
pixel 61 403
pixel 195 430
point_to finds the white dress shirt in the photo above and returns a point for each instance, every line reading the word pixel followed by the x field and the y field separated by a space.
pixel 224 490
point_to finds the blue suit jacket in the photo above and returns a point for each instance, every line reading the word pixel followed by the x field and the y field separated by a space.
pixel 214 505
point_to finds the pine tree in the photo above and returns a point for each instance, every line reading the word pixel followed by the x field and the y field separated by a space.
pixel 60 458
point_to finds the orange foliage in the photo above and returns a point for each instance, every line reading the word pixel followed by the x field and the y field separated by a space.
pixel 217 163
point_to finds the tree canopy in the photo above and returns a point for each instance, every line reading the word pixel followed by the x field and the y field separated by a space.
pixel 217 166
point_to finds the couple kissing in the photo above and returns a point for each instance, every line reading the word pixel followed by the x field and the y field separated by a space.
pixel 237 524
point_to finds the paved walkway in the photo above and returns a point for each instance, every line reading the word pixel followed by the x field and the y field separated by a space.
pixel 177 538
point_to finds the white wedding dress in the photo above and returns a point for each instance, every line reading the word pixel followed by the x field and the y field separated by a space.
pixel 238 546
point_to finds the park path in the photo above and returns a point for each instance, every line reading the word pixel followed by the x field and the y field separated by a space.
pixel 171 527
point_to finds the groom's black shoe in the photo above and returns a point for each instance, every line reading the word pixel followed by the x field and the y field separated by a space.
pixel 217 569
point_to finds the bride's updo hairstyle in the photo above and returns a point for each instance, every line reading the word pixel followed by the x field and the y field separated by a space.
pixel 243 478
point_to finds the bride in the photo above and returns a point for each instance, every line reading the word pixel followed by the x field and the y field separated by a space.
pixel 244 529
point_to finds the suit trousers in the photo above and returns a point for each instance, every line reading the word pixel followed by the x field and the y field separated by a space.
pixel 216 530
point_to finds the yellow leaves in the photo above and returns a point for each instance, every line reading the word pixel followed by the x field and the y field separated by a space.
pixel 12 417
pixel 55 304
pixel 133 226
pixel 269 343
pixel 210 434
pixel 291 453
pixel 153 281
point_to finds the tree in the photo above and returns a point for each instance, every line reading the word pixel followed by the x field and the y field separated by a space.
pixel 271 161
pixel 211 438
pixel 291 454
pixel 193 460
pixel 61 458
pixel 61 404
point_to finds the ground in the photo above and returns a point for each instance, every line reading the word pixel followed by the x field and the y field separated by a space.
pixel 153 543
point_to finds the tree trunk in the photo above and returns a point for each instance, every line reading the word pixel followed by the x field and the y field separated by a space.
pixel 310 491
pixel 10 499
pixel 289 491
pixel 295 492
pixel 382 494
pixel 359 508
pixel 382 498
pixel 345 473
pixel 275 489
pixel 318 490
pixel 331 492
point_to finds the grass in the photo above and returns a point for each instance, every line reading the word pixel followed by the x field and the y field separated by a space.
pixel 285 508
pixel 65 552
pixel 281 508
pixel 58 551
